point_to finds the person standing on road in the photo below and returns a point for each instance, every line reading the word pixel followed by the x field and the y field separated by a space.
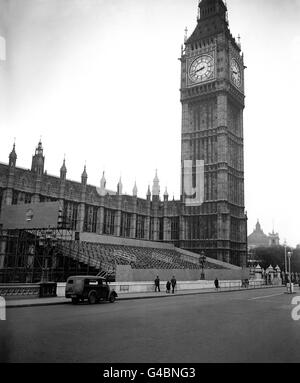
pixel 173 283
pixel 217 283
pixel 156 282
pixel 168 287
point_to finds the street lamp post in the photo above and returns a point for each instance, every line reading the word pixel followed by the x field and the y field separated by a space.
pixel 290 279
pixel 285 266
pixel 202 260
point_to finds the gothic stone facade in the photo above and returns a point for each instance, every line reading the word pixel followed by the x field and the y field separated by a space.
pixel 88 208
pixel 212 97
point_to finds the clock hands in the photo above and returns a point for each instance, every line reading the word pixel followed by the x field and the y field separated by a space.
pixel 200 69
pixel 235 73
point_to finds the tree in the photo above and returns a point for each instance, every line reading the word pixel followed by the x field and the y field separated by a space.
pixel 266 256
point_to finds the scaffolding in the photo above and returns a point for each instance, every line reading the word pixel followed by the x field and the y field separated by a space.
pixel 35 255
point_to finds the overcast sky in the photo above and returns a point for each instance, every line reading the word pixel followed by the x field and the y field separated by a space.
pixel 99 81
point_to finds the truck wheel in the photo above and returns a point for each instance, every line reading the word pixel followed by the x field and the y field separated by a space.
pixel 92 298
pixel 75 301
pixel 112 298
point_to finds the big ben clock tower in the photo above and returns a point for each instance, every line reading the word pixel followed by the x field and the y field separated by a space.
pixel 212 149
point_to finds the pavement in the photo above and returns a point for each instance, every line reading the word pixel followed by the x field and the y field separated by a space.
pixel 12 302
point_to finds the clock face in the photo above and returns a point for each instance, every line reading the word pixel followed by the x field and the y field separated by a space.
pixel 235 73
pixel 201 69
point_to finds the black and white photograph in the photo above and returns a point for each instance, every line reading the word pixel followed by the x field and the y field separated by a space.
pixel 149 185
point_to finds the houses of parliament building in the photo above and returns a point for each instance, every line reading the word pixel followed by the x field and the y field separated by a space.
pixel 210 214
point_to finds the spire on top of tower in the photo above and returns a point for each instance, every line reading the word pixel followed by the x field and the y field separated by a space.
pixel 155 187
pixel 13 156
pixel 103 181
pixel 38 160
pixel 84 176
pixel 166 195
pixel 63 169
pixel 210 12
pixel 102 184
pixel 39 149
pixel 148 195
pixel 134 190
pixel 119 187
pixel 210 8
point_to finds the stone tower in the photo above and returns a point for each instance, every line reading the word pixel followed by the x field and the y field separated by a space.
pixel 38 160
pixel 212 148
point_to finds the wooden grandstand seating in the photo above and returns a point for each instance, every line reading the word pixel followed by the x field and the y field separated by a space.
pixel 107 256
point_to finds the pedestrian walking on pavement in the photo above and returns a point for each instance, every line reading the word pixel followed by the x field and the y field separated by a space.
pixel 217 283
pixel 156 282
pixel 173 283
pixel 168 287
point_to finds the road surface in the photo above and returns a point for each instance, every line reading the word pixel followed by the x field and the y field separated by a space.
pixel 241 326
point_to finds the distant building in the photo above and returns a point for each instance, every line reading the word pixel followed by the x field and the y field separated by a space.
pixel 273 239
pixel 259 239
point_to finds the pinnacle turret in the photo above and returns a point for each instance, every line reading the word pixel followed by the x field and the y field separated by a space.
pixel 134 190
pixel 119 187
pixel 148 195
pixel 102 184
pixel 166 195
pixel 155 187
pixel 13 157
pixel 84 176
pixel 63 170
